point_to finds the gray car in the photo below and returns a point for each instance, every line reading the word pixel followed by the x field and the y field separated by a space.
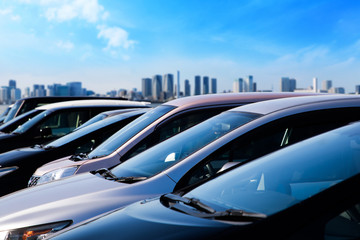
pixel 235 136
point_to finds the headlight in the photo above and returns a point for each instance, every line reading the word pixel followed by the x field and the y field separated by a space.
pixel 7 170
pixel 56 174
pixel 33 233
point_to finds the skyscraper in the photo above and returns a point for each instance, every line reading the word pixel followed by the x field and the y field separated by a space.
pixel 357 89
pixel 238 85
pixel 169 85
pixel 157 87
pixel 248 84
pixel 315 84
pixel 75 88
pixel 146 87
pixel 326 85
pixel 213 85
pixel 205 85
pixel 12 83
pixel 187 88
pixel 287 84
pixel 197 89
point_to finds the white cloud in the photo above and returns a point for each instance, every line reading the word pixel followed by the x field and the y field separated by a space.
pixel 88 10
pixel 116 37
pixel 68 46
pixel 9 12
pixel 5 11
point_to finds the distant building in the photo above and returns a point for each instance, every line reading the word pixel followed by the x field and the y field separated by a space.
pixel 287 84
pixel 326 85
pixel 238 85
pixel 4 97
pixel 187 88
pixel 357 89
pixel 197 89
pixel 12 83
pixel 213 85
pixel 340 90
pixel 315 84
pixel 75 88
pixel 248 84
pixel 169 85
pixel 157 87
pixel 15 94
pixel 146 87
pixel 205 85
pixel 39 90
pixel 123 93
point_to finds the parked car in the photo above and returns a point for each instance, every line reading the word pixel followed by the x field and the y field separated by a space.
pixel 304 191
pixel 191 157
pixel 18 165
pixel 14 123
pixel 4 113
pixel 26 104
pixel 57 120
pixel 155 126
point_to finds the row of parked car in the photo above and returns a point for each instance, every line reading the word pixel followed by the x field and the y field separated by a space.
pixel 222 166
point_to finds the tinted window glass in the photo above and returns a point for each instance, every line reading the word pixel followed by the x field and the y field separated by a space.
pixel 284 178
pixel 126 133
pixel 173 150
pixel 271 137
pixel 14 109
pixel 172 127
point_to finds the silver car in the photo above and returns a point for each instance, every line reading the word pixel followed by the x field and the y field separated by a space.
pixel 235 136
pixel 155 126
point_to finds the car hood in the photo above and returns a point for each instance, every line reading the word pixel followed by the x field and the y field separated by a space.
pixel 56 164
pixel 10 158
pixel 67 199
pixel 6 136
pixel 154 220
pixel 75 198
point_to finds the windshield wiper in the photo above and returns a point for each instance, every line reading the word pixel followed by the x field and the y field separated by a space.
pixel 99 156
pixel 79 157
pixel 207 211
pixel 107 174
pixel 193 202
pixel 130 179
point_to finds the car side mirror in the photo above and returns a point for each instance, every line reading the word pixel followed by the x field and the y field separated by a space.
pixel 45 132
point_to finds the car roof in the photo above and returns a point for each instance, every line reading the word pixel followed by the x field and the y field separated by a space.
pixel 93 102
pixel 269 106
pixel 225 98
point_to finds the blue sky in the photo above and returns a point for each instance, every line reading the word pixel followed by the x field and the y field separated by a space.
pixel 110 44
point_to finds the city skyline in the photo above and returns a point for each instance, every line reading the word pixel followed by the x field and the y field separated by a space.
pixel 119 42
pixel 164 88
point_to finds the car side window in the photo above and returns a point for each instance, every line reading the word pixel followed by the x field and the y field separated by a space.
pixel 173 127
pixel 100 137
pixel 344 226
pixel 63 122
pixel 268 138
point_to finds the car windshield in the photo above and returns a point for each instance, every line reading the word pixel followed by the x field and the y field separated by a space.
pixel 173 150
pixel 130 130
pixel 29 124
pixel 14 109
pixel 16 122
pixel 284 178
